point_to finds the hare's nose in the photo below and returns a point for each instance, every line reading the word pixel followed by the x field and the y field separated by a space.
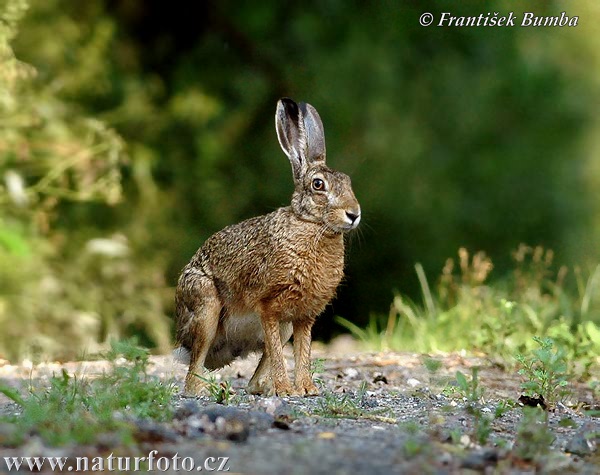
pixel 354 217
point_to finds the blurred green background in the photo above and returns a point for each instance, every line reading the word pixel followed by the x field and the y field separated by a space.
pixel 132 130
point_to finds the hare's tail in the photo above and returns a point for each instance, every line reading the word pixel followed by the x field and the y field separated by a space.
pixel 181 355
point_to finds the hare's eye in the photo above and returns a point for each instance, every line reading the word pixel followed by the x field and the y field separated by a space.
pixel 318 184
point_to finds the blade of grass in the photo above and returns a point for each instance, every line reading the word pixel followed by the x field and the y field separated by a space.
pixel 427 297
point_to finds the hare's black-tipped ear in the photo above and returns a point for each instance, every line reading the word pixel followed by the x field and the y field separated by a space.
pixel 314 133
pixel 290 132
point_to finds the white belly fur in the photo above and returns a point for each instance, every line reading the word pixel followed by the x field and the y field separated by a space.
pixel 236 337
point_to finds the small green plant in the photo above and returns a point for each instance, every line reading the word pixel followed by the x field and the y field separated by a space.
pixel 456 435
pixel 414 446
pixel 411 426
pixel 220 391
pixel 473 393
pixel 546 371
pixel 436 382
pixel 533 436
pixel 317 366
pixel 342 405
pixel 73 409
pixel 349 406
pixel 432 365
pixel 470 390
pixel 503 407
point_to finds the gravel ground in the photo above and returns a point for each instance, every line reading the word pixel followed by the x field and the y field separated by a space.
pixel 377 413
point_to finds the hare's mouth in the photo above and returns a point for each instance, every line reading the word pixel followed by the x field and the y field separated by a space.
pixel 345 221
pixel 352 218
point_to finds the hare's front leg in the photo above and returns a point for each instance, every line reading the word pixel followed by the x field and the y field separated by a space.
pixel 261 381
pixel 302 378
pixel 274 354
pixel 203 329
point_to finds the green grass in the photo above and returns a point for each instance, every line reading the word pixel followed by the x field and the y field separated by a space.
pixel 220 392
pixel 350 406
pixel 465 310
pixel 77 410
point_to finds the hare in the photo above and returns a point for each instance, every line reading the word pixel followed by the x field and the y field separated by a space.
pixel 254 284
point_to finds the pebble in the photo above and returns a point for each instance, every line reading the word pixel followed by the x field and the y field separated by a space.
pixel 187 409
pixel 445 458
pixel 480 459
pixel 351 373
pixel 148 431
pixel 412 382
pixel 7 432
pixel 585 441
pixel 260 420
pixel 271 404
pixel 226 422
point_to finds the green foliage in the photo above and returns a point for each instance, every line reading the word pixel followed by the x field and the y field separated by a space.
pixel 350 406
pixel 56 308
pixel 77 410
pixel 497 319
pixel 546 371
pixel 472 392
pixel 503 407
pixel 62 290
pixel 433 366
pixel 342 405
pixel 317 366
pixel 220 391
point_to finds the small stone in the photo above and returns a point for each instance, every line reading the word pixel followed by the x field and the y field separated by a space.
pixel 351 373
pixel 151 432
pixel 412 382
pixel 585 441
pixel 187 409
pixel 226 423
pixel 479 460
pixel 260 421
pixel 271 404
pixel 445 458
pixel 281 424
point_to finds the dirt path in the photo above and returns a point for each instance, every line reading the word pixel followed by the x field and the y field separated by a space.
pixel 378 413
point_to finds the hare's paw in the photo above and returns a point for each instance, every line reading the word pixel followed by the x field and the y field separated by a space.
pixel 307 388
pixel 195 388
pixel 283 390
pixel 261 386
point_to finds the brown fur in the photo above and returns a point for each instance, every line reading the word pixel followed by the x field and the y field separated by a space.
pixel 253 284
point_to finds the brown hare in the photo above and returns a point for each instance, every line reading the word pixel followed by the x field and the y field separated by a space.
pixel 254 284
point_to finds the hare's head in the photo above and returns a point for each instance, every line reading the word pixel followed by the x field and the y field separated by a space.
pixel 321 195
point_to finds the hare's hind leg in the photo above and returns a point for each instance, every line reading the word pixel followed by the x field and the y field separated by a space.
pixel 203 329
pixel 261 382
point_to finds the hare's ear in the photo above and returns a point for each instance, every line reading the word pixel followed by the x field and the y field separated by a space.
pixel 300 134
pixel 290 132
pixel 314 134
